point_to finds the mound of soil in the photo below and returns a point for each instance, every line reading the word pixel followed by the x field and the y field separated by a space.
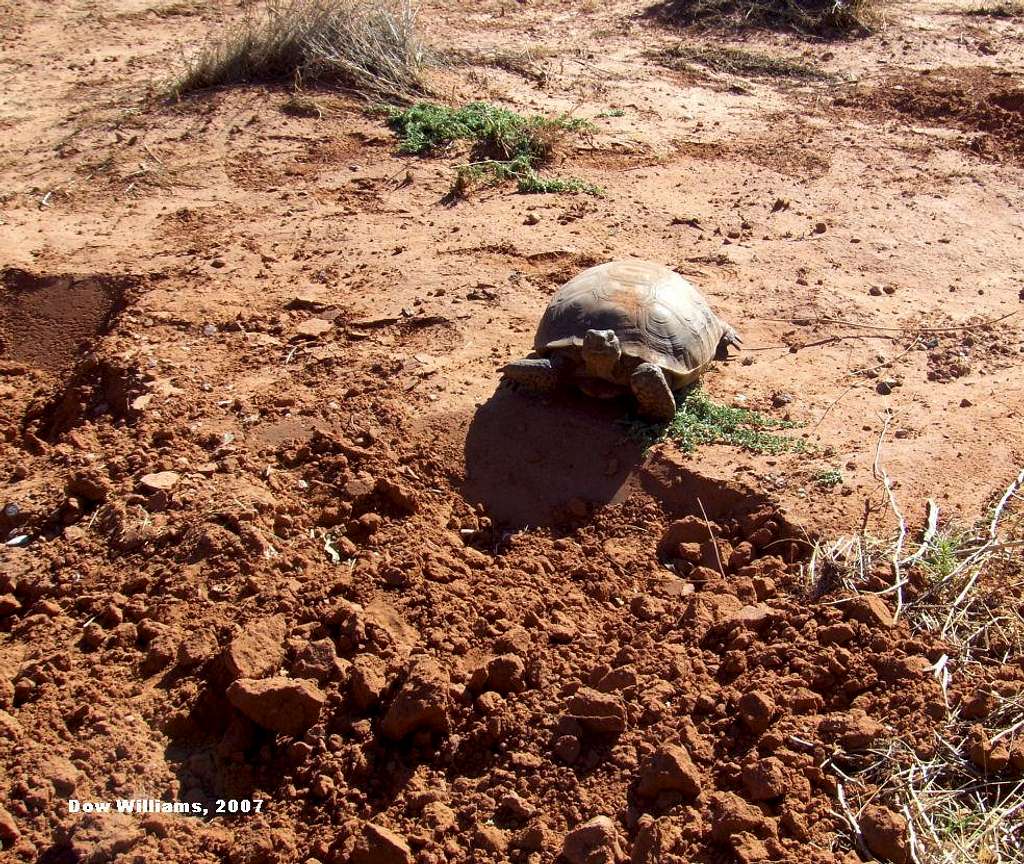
pixel 982 101
pixel 410 682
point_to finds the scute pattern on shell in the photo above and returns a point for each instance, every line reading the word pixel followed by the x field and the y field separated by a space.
pixel 658 316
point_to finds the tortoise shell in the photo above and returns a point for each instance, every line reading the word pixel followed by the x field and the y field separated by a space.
pixel 658 316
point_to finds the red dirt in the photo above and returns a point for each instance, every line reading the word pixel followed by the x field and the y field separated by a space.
pixel 288 540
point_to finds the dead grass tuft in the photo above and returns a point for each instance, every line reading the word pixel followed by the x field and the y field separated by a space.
pixel 525 63
pixel 828 18
pixel 369 47
pixel 962 798
pixel 735 61
pixel 999 9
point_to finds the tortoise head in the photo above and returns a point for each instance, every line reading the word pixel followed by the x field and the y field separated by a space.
pixel 729 337
pixel 601 352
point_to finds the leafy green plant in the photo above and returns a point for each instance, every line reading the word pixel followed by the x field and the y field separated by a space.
pixel 700 420
pixel 506 145
pixel 828 478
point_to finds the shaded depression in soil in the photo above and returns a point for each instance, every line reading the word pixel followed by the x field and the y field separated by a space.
pixel 530 460
pixel 45 319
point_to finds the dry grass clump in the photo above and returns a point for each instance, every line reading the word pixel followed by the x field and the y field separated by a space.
pixel 999 9
pixel 369 47
pixel 963 799
pixel 526 63
pixel 735 61
pixel 832 18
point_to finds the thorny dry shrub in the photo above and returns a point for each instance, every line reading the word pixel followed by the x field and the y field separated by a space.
pixel 963 800
pixel 831 18
pixel 370 47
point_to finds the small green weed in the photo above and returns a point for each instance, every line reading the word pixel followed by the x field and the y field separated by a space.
pixel 506 145
pixel 735 61
pixel 944 554
pixel 428 128
pixel 699 420
pixel 533 183
pixel 828 478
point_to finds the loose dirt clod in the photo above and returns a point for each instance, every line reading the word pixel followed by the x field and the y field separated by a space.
pixel 278 704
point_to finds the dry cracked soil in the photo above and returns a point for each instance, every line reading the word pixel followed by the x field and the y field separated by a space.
pixel 275 532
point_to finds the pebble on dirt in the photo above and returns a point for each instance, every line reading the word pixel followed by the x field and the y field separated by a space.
pixel 669 769
pixel 160 481
pixel 597 712
pixel 885 834
pixel 421 702
pixel 593 842
pixel 279 704
pixel 379 845
pixel 258 650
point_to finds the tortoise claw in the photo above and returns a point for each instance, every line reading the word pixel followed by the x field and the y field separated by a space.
pixel 538 375
pixel 653 394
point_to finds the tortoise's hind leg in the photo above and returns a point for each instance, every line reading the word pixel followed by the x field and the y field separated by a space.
pixel 653 394
pixel 539 375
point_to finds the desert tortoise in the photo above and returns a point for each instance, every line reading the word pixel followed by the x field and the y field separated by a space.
pixel 625 326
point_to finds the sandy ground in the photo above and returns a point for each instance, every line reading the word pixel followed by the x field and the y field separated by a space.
pixel 161 264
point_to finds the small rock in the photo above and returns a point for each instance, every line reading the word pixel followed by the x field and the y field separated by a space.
pixel 9 832
pixel 869 609
pixel 765 780
pixel 567 748
pixel 531 219
pixel 820 227
pixel 88 486
pixel 885 386
pixel 596 836
pixel 506 674
pixel 161 481
pixel 756 710
pixel 421 702
pixel 875 291
pixel 258 650
pixel 835 634
pixel 8 605
pixel 279 704
pixel 561 634
pixel 491 839
pixel 731 815
pixel 369 681
pixel 689 529
pixel 966 403
pixel 885 834
pixel 597 712
pixel 316 660
pixel 197 648
pixel 513 806
pixel 984 754
pixel 669 769
pixel 378 845
pixel 313 328
pixel 60 773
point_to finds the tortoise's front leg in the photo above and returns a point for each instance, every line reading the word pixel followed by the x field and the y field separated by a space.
pixel 653 394
pixel 539 375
